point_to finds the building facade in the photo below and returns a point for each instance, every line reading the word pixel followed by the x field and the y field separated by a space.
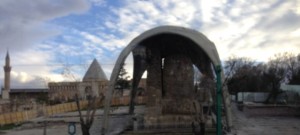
pixel 7 68
pixel 94 83
pixel 21 98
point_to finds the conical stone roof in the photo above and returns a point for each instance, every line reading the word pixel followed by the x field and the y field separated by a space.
pixel 94 73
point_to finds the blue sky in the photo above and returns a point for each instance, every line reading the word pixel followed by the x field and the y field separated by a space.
pixel 48 37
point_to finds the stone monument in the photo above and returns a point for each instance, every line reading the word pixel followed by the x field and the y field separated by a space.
pixel 169 54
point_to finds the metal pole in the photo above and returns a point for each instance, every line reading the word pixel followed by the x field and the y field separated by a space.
pixel 45 127
pixel 219 100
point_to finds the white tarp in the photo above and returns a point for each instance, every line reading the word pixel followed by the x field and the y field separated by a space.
pixel 252 96
pixel 294 88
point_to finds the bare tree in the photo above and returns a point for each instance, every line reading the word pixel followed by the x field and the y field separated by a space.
pixel 236 64
pixel 242 75
pixel 86 123
pixel 274 74
pixel 90 113
pixel 245 75
pixel 293 66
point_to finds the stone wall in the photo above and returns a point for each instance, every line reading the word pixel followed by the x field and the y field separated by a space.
pixel 178 79
pixel 154 85
pixel 170 91
pixel 272 110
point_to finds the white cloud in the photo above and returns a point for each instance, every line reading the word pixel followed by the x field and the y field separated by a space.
pixel 30 67
pixel 98 2
pixel 255 29
pixel 23 23
pixel 259 31
pixel 23 26
pixel 137 17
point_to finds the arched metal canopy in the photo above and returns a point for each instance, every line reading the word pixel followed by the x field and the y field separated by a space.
pixel 201 42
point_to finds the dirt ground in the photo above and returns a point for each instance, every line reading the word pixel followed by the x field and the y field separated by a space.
pixel 263 125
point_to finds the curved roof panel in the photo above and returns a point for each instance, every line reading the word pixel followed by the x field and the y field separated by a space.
pixel 202 41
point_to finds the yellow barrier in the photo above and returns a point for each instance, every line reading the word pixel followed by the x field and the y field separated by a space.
pixel 17 117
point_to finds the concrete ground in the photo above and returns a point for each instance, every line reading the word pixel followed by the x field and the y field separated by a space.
pixel 59 123
pixel 243 125
pixel 58 129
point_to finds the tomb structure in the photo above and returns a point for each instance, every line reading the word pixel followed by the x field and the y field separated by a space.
pixel 170 54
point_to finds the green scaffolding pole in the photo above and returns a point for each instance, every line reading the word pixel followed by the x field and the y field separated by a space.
pixel 219 100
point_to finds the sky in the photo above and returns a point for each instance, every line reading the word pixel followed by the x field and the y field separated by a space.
pixel 56 40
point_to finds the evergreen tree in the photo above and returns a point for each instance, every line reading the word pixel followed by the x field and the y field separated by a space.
pixel 123 81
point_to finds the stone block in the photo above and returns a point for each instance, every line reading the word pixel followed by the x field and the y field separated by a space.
pixel 5 94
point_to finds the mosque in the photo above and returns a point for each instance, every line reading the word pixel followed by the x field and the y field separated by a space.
pixel 18 99
pixel 94 83
pixel 9 94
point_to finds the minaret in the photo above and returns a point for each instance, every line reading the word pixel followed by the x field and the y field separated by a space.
pixel 7 69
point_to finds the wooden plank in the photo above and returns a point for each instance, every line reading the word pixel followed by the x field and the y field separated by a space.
pixel 73 106
pixel 25 115
pixel 67 107
pixel 19 117
pixel 60 108
pixel 55 109
pixel 48 110
pixel 30 114
pixel 7 118
pixel 2 119
pixel 13 117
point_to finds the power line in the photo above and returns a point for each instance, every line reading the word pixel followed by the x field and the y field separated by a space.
pixel 58 65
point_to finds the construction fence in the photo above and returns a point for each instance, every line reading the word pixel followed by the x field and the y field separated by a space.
pixel 18 117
